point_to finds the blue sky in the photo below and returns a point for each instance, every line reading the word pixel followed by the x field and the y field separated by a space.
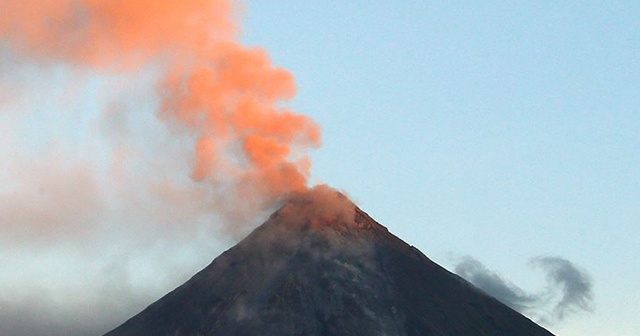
pixel 501 131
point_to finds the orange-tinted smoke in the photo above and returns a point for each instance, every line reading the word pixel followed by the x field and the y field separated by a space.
pixel 108 33
pixel 226 95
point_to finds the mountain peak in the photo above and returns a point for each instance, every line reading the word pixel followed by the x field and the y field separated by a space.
pixel 323 208
pixel 316 208
pixel 320 266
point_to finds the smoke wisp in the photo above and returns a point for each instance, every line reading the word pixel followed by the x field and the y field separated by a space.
pixel 574 285
pixel 495 285
pixel 569 289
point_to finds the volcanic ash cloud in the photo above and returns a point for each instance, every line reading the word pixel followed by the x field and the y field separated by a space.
pixel 226 98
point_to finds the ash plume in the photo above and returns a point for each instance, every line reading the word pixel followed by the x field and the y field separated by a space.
pixel 191 139
pixel 226 98
pixel 569 289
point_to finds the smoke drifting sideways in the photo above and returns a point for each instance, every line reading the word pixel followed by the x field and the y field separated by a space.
pixel 569 289
pixel 184 135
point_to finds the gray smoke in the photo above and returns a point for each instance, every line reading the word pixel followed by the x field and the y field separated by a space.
pixel 498 287
pixel 568 290
pixel 574 285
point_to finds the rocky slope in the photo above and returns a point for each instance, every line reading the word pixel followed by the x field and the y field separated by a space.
pixel 322 267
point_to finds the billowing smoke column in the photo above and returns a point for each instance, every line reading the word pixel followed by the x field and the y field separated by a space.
pixel 228 97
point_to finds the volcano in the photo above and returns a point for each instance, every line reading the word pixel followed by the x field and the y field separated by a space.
pixel 320 266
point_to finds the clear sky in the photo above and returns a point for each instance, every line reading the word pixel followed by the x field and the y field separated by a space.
pixel 502 131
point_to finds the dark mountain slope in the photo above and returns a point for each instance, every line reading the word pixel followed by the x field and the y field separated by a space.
pixel 325 269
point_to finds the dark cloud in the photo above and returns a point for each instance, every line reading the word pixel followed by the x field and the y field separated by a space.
pixel 569 289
